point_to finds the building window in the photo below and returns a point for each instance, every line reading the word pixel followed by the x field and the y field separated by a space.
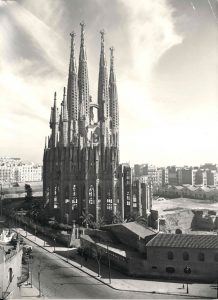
pixel 91 195
pixel 201 256
pixel 216 257
pixel 134 200
pixel 170 270
pixel 170 255
pixel 10 274
pixel 128 198
pixel 185 256
pixel 74 197
pixel 67 194
pixel 55 197
pixel 109 201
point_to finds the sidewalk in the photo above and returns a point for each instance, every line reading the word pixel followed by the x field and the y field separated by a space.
pixel 26 291
pixel 120 281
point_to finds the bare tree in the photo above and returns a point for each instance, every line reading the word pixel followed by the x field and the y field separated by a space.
pixel 97 254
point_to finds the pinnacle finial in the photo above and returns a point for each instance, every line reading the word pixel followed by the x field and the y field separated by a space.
pixel 82 24
pixel 112 56
pixel 73 34
pixel 55 98
pixel 112 51
pixel 102 32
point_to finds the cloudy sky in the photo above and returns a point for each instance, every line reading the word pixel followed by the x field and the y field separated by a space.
pixel 166 64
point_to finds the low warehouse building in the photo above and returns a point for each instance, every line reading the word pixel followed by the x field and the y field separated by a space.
pixel 183 257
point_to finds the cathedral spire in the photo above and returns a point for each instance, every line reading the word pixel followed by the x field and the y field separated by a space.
pixel 112 74
pixel 102 32
pixel 64 120
pixel 65 112
pixel 103 97
pixel 83 82
pixel 72 68
pixel 114 110
pixel 54 122
pixel 72 94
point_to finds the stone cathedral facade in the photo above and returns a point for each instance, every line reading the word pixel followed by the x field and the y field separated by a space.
pixel 81 170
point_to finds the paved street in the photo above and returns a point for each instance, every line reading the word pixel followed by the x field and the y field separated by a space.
pixel 58 279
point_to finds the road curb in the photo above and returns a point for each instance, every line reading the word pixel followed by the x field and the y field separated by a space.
pixel 109 285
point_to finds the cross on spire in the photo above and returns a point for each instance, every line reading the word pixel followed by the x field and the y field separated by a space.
pixel 72 34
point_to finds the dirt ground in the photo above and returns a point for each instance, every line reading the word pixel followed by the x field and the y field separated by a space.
pixel 178 204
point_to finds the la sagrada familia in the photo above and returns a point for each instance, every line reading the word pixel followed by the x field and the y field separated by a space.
pixel 81 170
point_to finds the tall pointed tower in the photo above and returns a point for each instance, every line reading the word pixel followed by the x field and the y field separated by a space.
pixel 103 96
pixel 64 121
pixel 73 96
pixel 114 109
pixel 54 123
pixel 83 85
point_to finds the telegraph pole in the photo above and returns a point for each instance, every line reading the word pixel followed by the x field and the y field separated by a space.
pixel 1 198
pixel 109 265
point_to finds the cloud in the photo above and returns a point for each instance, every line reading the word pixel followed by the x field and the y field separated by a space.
pixel 151 32
pixel 150 39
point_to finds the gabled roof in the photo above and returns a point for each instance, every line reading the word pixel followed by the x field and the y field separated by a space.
pixel 138 229
pixel 179 187
pixel 184 241
pixel 133 227
pixel 192 188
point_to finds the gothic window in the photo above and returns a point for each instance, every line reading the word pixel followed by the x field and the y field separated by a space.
pixel 128 198
pixel 91 195
pixel 109 201
pixel 55 197
pixel 66 198
pixel 74 197
pixel 134 200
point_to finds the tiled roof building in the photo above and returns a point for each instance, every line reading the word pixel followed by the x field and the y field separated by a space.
pixel 184 241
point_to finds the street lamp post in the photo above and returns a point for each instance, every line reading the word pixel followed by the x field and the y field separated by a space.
pixel 54 244
pixel 35 232
pixel 109 265
pixel 81 260
pixel 1 198
pixel 39 280
pixel 68 247
pixel 217 288
pixel 187 271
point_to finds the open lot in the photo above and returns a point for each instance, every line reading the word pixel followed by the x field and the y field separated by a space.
pixel 178 204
